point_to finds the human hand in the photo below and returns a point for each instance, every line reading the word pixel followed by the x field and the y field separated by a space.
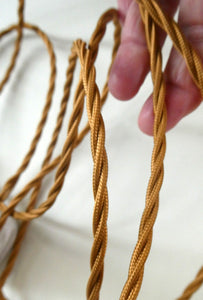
pixel 132 61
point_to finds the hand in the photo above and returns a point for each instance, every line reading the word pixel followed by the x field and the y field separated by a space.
pixel 132 61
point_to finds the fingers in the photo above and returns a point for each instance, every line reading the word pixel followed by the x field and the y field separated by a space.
pixel 123 8
pixel 132 62
pixel 182 96
pixel 179 103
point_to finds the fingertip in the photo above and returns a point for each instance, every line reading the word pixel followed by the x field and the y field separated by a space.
pixel 179 103
pixel 121 81
pixel 128 71
pixel 146 117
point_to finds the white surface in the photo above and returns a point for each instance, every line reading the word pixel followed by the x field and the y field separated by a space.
pixel 7 237
pixel 54 259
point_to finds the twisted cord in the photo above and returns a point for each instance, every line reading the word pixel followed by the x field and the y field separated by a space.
pixel 44 206
pixel 24 225
pixel 48 168
pixel 23 228
pixel 69 78
pixel 193 286
pixel 9 185
pixel 61 170
pixel 142 249
pixel 105 90
pixel 17 45
pixel 100 169
pixel 193 61
pixel 151 13
pixel 35 193
pixel 99 173
pixel 12 181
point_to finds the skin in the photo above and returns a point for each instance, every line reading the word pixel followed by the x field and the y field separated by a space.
pixel 132 62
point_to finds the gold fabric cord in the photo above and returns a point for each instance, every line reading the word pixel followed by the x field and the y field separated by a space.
pixel 152 16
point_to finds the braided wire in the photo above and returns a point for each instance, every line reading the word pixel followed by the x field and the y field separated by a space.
pixel 193 286
pixel 23 227
pixel 8 186
pixel 99 173
pixel 66 154
pixel 46 166
pixel 181 44
pixel 142 249
pixel 151 14
pixel 100 169
pixel 44 206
